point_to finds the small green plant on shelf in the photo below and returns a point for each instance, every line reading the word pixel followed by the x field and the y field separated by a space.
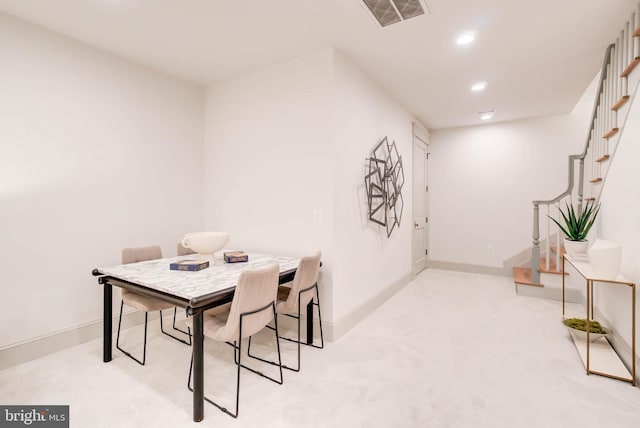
pixel 581 324
pixel 577 226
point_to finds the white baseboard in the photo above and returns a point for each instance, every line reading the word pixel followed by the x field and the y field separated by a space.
pixel 462 267
pixel 336 330
pixel 22 352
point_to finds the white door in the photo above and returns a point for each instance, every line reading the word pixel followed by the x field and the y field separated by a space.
pixel 420 200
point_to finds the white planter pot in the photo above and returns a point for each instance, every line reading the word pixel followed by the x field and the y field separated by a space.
pixel 604 257
pixel 576 247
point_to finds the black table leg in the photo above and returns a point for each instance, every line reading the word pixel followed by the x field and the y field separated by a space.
pixel 106 323
pixel 310 322
pixel 198 367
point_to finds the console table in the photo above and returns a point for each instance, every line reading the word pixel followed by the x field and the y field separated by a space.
pixel 599 357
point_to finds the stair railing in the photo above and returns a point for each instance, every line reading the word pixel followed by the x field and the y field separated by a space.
pixel 567 196
pixel 603 126
pixel 613 92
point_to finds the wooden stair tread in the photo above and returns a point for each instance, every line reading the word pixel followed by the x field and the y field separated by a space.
pixel 603 158
pixel 552 266
pixel 627 71
pixel 637 32
pixel 554 249
pixel 622 101
pixel 522 275
pixel 596 180
pixel 590 199
pixel 611 133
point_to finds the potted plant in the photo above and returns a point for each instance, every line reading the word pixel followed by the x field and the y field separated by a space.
pixel 576 226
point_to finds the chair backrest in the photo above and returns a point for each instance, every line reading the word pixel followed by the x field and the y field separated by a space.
pixel 139 254
pixel 306 275
pixel 256 288
pixel 184 251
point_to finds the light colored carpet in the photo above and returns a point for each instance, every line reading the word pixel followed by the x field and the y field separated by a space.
pixel 449 350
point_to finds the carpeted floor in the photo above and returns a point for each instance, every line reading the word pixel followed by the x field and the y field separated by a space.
pixel 449 350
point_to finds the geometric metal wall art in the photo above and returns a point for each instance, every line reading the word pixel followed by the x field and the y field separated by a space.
pixel 383 182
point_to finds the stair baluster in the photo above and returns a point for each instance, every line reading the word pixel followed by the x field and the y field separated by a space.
pixel 547 241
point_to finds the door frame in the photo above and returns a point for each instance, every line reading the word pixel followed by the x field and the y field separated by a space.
pixel 421 136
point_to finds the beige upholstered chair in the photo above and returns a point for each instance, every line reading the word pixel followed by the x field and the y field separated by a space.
pixel 141 302
pixel 184 251
pixel 304 288
pixel 252 308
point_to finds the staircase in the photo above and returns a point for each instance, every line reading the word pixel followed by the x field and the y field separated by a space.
pixel 619 77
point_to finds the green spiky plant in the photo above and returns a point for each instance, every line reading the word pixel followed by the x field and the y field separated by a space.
pixel 576 227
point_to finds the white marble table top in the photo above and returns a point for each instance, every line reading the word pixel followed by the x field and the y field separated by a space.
pixel 155 274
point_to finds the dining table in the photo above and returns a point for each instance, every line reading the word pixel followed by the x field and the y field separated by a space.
pixel 195 291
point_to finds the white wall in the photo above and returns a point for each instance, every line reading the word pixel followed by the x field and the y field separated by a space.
pixel 290 140
pixel 268 161
pixel 366 261
pixel 96 154
pixel 619 219
pixel 483 181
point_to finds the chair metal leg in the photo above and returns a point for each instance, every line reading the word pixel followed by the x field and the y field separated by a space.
pixel 280 380
pixel 312 303
pixel 174 337
pixel 188 332
pixel 298 341
pixel 237 375
pixel 319 320
pixel 237 351
pixel 207 399
pixel 144 349
pixel 279 363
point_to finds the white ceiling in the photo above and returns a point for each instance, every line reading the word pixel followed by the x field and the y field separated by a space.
pixel 537 56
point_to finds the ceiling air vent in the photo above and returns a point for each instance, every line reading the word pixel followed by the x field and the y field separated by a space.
pixel 388 12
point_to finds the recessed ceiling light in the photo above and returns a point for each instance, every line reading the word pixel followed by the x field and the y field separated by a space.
pixel 477 87
pixel 486 115
pixel 466 38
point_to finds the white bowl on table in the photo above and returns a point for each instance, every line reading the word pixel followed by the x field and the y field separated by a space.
pixel 205 243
